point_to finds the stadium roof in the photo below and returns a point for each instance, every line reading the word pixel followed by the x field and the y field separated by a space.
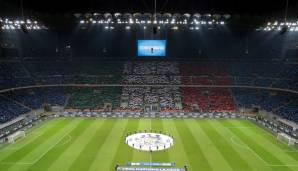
pixel 250 7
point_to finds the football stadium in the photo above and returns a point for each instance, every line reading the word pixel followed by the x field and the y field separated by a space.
pixel 149 85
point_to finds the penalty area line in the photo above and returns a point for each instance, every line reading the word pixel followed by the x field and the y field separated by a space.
pixel 16 163
pixel 69 138
pixel 51 147
pixel 42 155
pixel 283 165
pixel 246 147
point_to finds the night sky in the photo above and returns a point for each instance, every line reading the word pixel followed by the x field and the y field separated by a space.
pixel 253 7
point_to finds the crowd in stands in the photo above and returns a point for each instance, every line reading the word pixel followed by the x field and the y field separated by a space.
pixel 10 110
pixel 203 99
pixel 151 73
pixel 18 74
pixel 166 98
pixel 282 104
pixel 36 98
pixel 151 68
pixel 94 98
pixel 289 111
pixel 208 99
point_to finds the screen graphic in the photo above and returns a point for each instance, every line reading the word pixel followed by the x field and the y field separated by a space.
pixel 156 48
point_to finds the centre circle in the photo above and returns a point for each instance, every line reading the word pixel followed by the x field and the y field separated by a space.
pixel 149 141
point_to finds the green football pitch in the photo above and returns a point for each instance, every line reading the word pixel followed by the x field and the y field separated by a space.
pixel 99 144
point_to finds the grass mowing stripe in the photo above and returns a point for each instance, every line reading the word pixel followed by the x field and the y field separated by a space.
pixel 19 154
pixel 196 157
pixel 231 155
pixel 106 154
pixel 88 155
pixel 124 152
pixel 159 156
pixel 263 153
pixel 208 147
pixel 52 155
pixel 138 155
pixel 176 153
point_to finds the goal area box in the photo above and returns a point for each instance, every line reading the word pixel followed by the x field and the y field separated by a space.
pixel 13 137
pixel 285 137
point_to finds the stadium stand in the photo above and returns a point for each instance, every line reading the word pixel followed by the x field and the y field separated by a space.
pixel 282 104
pixel 10 110
pixel 94 98
pixel 208 100
pixel 146 98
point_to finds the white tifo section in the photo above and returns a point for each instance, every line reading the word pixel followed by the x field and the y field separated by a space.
pixel 13 137
pixel 291 141
pixel 149 141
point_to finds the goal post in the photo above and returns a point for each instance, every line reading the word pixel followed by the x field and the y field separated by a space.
pixel 285 137
pixel 13 137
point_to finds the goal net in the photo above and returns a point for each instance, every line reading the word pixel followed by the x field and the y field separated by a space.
pixel 284 137
pixel 13 137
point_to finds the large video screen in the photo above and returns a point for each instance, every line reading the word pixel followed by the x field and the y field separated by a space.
pixel 154 48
